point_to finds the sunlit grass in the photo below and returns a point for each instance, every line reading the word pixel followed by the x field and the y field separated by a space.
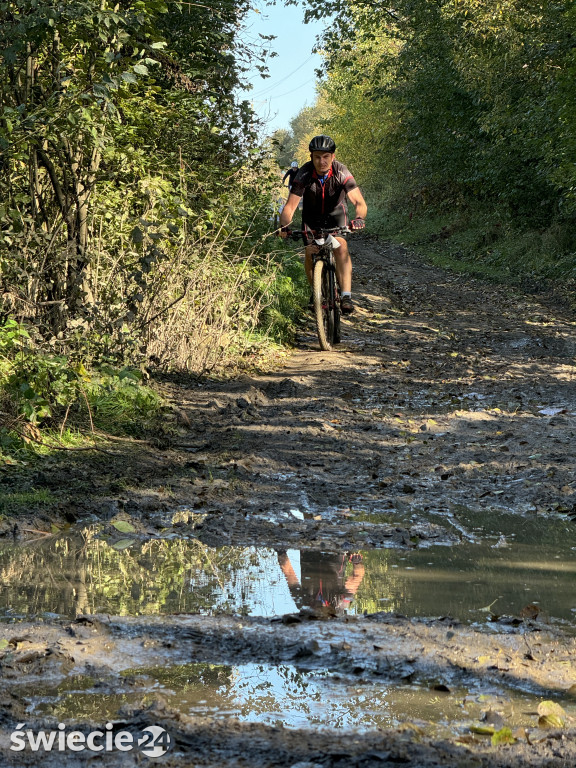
pixel 483 242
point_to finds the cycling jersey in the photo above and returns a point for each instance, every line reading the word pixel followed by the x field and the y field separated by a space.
pixel 290 174
pixel 324 199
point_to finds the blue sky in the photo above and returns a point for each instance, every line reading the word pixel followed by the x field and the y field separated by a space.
pixel 291 84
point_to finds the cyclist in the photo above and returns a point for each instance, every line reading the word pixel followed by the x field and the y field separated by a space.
pixel 290 174
pixel 323 579
pixel 324 184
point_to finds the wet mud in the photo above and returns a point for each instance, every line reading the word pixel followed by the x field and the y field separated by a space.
pixel 360 558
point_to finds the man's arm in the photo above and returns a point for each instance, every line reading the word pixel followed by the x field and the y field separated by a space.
pixel 289 209
pixel 355 197
pixel 288 570
pixel 354 581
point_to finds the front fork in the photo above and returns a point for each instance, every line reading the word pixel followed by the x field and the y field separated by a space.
pixel 328 259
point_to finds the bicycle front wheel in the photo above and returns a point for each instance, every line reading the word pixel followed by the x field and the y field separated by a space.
pixel 323 306
pixel 334 293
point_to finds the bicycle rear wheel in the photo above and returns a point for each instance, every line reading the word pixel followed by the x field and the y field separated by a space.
pixel 323 306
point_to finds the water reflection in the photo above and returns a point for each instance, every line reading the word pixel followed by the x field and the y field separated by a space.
pixel 284 695
pixel 320 579
pixel 83 573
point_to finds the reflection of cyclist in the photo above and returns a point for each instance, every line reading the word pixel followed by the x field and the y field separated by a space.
pixel 291 174
pixel 323 580
pixel 324 184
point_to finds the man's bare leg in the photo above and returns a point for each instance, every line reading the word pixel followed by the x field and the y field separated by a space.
pixel 309 262
pixel 343 266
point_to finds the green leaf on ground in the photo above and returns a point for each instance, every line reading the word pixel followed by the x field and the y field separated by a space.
pixel 123 526
pixel 551 715
pixel 483 730
pixel 503 736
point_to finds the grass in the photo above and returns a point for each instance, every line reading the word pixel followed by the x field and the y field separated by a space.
pixel 12 502
pixel 125 408
pixel 288 294
pixel 49 402
pixel 485 243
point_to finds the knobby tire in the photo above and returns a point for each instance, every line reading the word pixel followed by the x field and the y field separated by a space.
pixel 336 304
pixel 325 309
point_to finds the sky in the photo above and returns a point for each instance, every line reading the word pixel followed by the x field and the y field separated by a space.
pixel 291 84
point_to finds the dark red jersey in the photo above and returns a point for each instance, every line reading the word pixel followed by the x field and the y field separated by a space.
pixel 324 203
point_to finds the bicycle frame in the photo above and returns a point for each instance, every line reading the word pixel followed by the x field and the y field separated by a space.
pixel 326 289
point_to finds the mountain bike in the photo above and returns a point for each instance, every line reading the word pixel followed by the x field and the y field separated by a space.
pixel 325 284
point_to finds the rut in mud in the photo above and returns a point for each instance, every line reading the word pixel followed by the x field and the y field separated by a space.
pixel 425 467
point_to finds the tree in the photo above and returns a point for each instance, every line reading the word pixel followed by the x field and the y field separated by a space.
pixel 471 98
pixel 111 109
pixel 281 141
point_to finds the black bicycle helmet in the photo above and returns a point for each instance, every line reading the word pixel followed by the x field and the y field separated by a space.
pixel 322 144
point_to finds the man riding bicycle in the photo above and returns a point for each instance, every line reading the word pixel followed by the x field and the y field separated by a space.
pixel 291 174
pixel 324 184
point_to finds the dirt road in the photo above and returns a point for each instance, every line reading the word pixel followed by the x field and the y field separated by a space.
pixel 447 394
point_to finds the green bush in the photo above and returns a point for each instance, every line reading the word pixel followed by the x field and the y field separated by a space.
pixel 287 293
pixel 120 404
pixel 46 390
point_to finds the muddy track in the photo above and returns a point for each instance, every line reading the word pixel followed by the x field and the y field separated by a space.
pixel 447 394
pixel 379 648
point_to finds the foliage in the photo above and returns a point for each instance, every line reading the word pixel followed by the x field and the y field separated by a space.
pixel 289 291
pixel 282 147
pixel 456 105
pixel 119 404
pixel 293 143
pixel 39 388
pixel 132 174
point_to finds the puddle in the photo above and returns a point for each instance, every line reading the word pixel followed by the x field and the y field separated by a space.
pixel 510 561
pixel 286 696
